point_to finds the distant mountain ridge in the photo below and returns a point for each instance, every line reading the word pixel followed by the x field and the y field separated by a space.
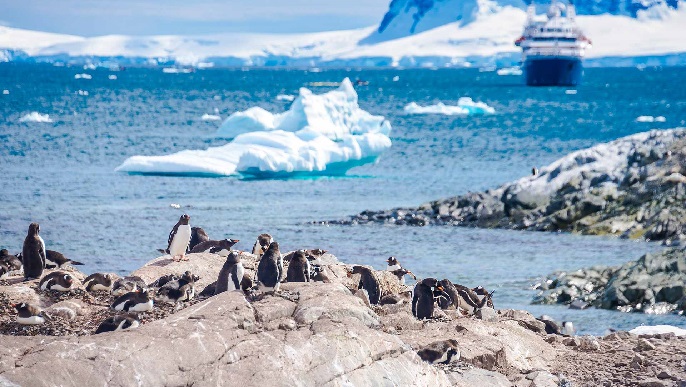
pixel 412 33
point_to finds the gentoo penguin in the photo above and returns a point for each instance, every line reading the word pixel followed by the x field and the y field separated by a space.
pixel 399 271
pixel 481 292
pixel 424 295
pixel 11 261
pixel 262 244
pixel 299 268
pixel 55 259
pixel 4 269
pixel 57 280
pixel 443 352
pixel 270 268
pixel 534 171
pixel 182 289
pixel 552 327
pixel 33 253
pixel 396 298
pixel 198 235
pixel 221 247
pixel 138 301
pixel 453 301
pixel 118 323
pixel 128 284
pixel 99 281
pixel 179 238
pixel 29 314
pixel 368 282
pixel 231 274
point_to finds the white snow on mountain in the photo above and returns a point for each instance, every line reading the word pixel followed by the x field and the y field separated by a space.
pixel 483 36
pixel 319 135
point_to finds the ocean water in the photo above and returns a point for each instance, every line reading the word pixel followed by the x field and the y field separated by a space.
pixel 61 174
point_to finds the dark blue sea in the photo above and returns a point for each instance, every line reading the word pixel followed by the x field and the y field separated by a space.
pixel 61 174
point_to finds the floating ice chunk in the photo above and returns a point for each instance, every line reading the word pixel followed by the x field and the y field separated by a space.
pixel 465 106
pixel 657 329
pixel 175 205
pixel 205 65
pixel 285 97
pixel 83 76
pixel 174 70
pixel 334 114
pixel 509 71
pixel 267 154
pixel 112 77
pixel 89 66
pixel 5 92
pixel 210 117
pixel 82 92
pixel 35 117
pixel 650 119
pixel 570 92
pixel 396 78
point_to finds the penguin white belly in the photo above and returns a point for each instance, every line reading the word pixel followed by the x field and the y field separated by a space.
pixel 222 252
pixel 134 324
pixel 180 241
pixel 45 284
pixel 100 287
pixel 393 267
pixel 240 271
pixel 60 288
pixel 33 320
pixel 142 307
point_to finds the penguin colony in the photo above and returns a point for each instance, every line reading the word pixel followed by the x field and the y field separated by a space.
pixel 133 297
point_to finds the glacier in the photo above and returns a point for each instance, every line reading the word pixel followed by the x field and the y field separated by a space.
pixel 323 134
pixel 465 106
pixel 413 33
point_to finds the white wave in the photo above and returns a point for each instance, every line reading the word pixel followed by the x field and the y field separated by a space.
pixel 465 106
pixel 210 117
pixel 285 97
pixel 510 71
pixel 83 76
pixel 35 117
pixel 174 70
pixel 650 119
pixel 320 135
pixel 334 114
pixel 657 329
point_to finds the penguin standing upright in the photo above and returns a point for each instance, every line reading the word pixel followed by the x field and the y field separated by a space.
pixel 368 282
pixel 424 295
pixel 399 271
pixel 33 253
pixel 179 238
pixel 299 268
pixel 270 268
pixel 262 244
pixel 231 274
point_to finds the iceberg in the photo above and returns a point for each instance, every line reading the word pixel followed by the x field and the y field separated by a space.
pixel 210 117
pixel 35 117
pixel 650 119
pixel 323 134
pixel 509 71
pixel 334 114
pixel 83 76
pixel 465 106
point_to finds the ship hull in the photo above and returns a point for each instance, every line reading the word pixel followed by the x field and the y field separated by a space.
pixel 556 71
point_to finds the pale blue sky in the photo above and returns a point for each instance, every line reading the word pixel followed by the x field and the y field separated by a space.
pixel 131 17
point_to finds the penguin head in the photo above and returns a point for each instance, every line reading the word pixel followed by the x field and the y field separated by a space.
pixel 299 256
pixel 34 229
pixel 228 243
pixel 188 276
pixel 184 219
pixel 392 261
pixel 233 258
pixel 355 270
pixel 273 247
pixel 68 279
pixel 21 306
pixel 4 253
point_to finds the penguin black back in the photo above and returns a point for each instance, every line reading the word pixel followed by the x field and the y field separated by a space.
pixel 270 268
pixel 33 253
pixel 231 274
pixel 117 323
pixel 262 244
pixel 198 235
pixel 368 282
pixel 299 268
pixel 424 295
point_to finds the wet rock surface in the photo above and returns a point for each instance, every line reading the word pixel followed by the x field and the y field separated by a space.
pixel 634 187
pixel 655 283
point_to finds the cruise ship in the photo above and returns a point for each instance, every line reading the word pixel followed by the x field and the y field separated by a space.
pixel 553 48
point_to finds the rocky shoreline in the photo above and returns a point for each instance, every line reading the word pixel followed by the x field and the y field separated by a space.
pixel 633 187
pixel 655 283
pixel 318 333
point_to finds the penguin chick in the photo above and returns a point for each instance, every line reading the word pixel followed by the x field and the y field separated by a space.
pixel 58 280
pixel 231 275
pixel 443 352
pixel 118 323
pixel 33 253
pixel 262 244
pixel 299 269
pixel 368 282
pixel 128 284
pixel 270 269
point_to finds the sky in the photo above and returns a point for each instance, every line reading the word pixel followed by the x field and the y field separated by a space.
pixel 153 17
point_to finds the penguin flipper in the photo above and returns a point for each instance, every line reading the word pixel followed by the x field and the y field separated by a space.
pixel 75 262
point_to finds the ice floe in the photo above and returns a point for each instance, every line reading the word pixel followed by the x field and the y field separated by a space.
pixel 82 92
pixel 112 77
pixel 658 329
pixel 210 117
pixel 650 119
pixel 83 76
pixel 509 71
pixel 285 97
pixel 465 106
pixel 323 134
pixel 5 92
pixel 35 117
pixel 334 114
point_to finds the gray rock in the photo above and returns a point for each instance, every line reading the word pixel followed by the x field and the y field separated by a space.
pixel 644 345
pixel 486 314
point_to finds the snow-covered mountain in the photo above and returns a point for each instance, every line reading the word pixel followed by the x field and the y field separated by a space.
pixel 413 33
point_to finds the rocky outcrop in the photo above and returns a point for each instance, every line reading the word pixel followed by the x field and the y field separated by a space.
pixel 655 283
pixel 634 187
